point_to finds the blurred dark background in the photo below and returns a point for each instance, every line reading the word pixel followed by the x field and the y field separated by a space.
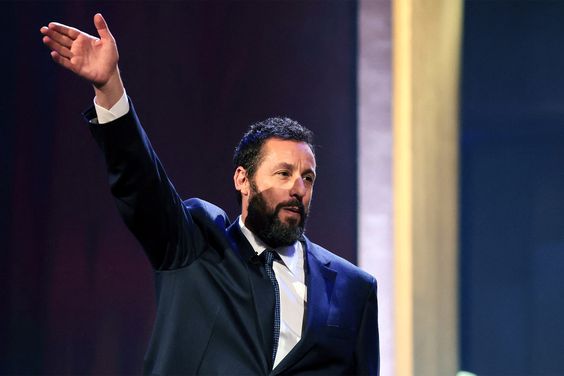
pixel 76 292
pixel 512 188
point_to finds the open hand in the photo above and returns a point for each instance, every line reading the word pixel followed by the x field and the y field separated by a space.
pixel 94 59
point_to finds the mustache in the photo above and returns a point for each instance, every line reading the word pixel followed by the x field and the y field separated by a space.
pixel 291 203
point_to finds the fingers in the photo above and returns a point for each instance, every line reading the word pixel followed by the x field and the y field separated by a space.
pixel 61 60
pixel 59 38
pixel 102 27
pixel 63 40
pixel 65 30
pixel 57 47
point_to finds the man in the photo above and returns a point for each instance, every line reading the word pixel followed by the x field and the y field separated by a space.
pixel 253 297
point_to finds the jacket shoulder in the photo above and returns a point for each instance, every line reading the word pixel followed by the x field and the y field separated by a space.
pixel 340 264
pixel 206 213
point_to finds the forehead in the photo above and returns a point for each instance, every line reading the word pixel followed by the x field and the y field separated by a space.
pixel 276 150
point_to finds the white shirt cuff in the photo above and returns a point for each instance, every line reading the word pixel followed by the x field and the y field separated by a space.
pixel 118 110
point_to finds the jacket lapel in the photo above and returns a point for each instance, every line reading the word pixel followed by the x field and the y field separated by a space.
pixel 261 291
pixel 320 280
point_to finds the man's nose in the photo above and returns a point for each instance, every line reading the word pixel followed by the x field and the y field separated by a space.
pixel 298 188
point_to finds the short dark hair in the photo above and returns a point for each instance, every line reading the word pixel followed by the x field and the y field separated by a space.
pixel 248 152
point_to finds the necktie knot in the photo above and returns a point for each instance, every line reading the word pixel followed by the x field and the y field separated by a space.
pixel 269 257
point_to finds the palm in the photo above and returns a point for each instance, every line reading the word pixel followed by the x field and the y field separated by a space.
pixel 94 59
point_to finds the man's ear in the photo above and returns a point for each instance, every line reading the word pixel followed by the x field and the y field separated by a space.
pixel 241 181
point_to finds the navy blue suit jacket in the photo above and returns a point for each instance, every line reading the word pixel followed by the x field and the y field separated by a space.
pixel 214 300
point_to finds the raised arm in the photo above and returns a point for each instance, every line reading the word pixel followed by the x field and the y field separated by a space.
pixel 94 59
pixel 146 199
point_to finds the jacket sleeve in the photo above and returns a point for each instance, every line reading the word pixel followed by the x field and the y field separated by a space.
pixel 145 198
pixel 368 345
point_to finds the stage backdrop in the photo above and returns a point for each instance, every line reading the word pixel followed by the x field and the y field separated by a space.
pixel 512 188
pixel 76 292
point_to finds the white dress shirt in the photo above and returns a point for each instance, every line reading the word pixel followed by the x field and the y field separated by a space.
pixel 289 270
pixel 120 108
pixel 293 292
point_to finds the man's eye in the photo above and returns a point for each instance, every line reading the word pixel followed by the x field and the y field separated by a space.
pixel 284 173
pixel 309 178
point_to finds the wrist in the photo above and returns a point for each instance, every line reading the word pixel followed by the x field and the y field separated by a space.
pixel 109 93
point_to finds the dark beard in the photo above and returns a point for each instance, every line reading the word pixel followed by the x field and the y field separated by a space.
pixel 268 226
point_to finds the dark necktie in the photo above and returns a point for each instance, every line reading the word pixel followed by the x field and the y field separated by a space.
pixel 269 256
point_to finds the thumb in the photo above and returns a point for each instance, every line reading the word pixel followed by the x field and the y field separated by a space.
pixel 102 27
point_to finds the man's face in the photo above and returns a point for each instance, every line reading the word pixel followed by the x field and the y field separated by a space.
pixel 280 192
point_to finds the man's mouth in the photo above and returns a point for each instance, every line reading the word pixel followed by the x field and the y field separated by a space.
pixel 293 210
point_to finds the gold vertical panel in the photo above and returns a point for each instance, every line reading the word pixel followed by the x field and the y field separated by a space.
pixel 402 179
pixel 426 44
